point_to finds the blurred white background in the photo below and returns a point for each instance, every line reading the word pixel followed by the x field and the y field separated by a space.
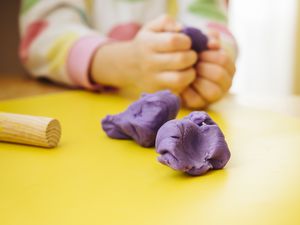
pixel 266 34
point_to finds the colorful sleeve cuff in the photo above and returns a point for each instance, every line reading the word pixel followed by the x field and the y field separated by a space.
pixel 227 38
pixel 80 58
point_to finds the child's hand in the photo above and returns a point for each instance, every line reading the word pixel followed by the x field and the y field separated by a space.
pixel 158 58
pixel 215 71
pixel 164 57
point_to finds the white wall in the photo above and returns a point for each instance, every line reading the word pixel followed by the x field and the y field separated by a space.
pixel 265 30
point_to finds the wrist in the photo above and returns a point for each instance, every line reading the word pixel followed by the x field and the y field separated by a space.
pixel 112 64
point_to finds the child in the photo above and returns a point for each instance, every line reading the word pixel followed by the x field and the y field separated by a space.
pixel 126 44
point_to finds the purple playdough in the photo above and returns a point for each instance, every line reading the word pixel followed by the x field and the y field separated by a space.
pixel 199 40
pixel 143 118
pixel 194 144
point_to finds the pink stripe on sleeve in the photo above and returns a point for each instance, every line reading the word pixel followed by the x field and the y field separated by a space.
pixel 219 27
pixel 80 58
pixel 226 34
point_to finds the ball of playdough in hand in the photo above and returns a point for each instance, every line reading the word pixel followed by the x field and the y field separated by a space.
pixel 193 145
pixel 199 40
pixel 143 118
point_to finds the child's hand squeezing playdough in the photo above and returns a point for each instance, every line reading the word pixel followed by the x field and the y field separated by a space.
pixel 162 56
pixel 157 58
pixel 215 69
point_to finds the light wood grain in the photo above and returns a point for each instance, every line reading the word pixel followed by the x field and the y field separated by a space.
pixel 31 130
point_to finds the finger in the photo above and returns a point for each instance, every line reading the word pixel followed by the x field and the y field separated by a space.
pixel 213 44
pixel 168 42
pixel 213 34
pixel 214 41
pixel 215 73
pixel 173 26
pixel 163 23
pixel 220 58
pixel 192 99
pixel 176 60
pixel 176 81
pixel 210 91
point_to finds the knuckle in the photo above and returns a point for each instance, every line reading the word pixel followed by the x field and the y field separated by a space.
pixel 213 95
pixel 192 99
pixel 186 42
pixel 195 103
pixel 177 80
pixel 188 76
pixel 223 59
pixel 173 40
pixel 220 75
pixel 180 59
pixel 186 58
pixel 178 83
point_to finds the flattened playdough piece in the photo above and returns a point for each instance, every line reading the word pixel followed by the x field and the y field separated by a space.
pixel 193 145
pixel 143 118
pixel 199 40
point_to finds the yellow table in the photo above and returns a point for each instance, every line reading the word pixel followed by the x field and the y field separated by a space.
pixel 91 179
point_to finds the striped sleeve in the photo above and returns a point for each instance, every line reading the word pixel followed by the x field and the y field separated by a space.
pixel 210 15
pixel 57 41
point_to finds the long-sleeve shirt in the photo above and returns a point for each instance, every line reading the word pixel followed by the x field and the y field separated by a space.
pixel 60 37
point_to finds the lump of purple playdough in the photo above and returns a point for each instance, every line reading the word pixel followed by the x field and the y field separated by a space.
pixel 143 118
pixel 199 40
pixel 194 144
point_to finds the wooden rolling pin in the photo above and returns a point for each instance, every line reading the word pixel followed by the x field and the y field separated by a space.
pixel 30 130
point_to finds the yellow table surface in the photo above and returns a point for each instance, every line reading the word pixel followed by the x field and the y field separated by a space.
pixel 91 179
